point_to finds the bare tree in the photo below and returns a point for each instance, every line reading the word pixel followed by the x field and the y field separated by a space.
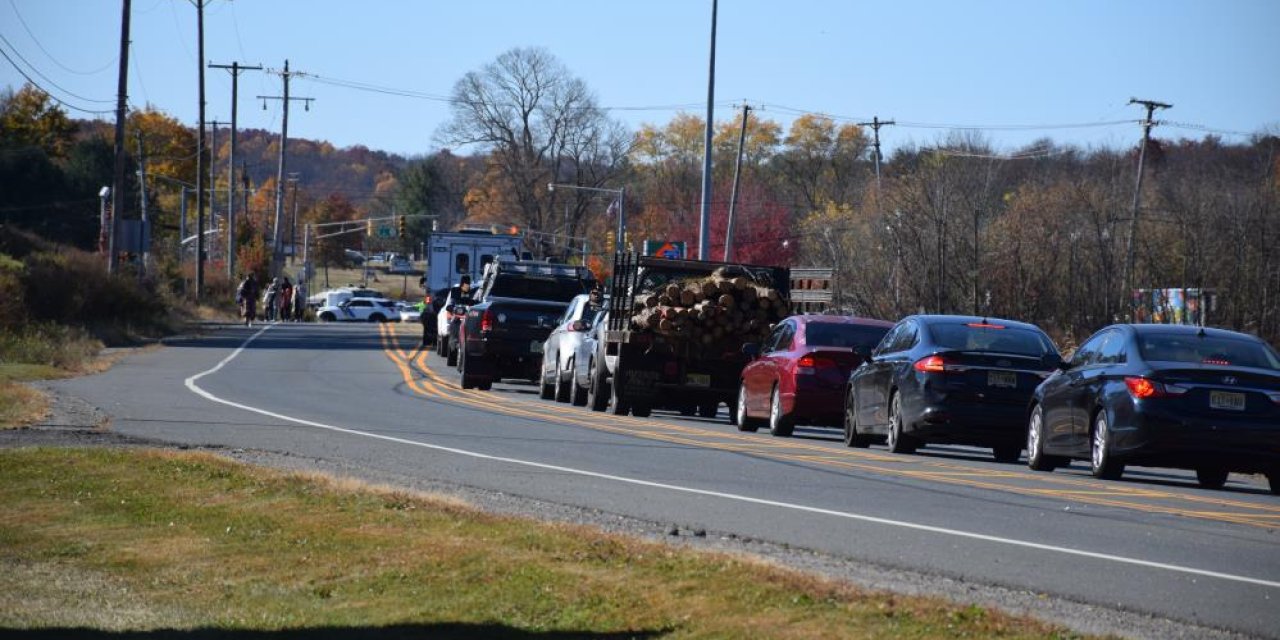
pixel 538 124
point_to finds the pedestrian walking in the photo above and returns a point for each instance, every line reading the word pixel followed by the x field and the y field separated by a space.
pixel 299 301
pixel 269 300
pixel 247 298
pixel 286 300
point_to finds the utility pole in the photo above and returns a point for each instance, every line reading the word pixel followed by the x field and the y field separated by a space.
pixel 213 184
pixel 704 225
pixel 122 102
pixel 293 225
pixel 1147 123
pixel 142 196
pixel 235 69
pixel 733 195
pixel 875 125
pixel 200 168
pixel 280 171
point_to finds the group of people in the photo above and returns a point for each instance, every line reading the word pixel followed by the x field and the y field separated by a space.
pixel 280 301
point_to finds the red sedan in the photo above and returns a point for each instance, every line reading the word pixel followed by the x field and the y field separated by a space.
pixel 800 372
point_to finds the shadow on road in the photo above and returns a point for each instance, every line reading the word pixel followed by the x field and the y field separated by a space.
pixel 441 631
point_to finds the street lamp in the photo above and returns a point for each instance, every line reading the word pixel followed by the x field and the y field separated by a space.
pixel 621 193
pixel 103 226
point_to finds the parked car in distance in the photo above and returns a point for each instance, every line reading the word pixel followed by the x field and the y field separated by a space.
pixel 400 264
pixel 409 312
pixel 584 363
pixel 799 374
pixel 360 310
pixel 950 379
pixel 1165 396
pixel 560 348
pixel 334 297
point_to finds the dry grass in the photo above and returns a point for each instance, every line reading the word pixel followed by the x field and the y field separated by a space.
pixel 170 540
pixel 21 405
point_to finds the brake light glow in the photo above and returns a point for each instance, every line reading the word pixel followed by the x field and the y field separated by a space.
pixel 486 320
pixel 1217 361
pixel 984 325
pixel 931 364
pixel 808 364
pixel 1141 388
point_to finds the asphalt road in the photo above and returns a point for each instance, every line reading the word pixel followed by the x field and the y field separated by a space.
pixel 1152 543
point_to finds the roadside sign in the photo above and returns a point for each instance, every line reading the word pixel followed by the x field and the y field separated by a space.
pixel 386 232
pixel 672 250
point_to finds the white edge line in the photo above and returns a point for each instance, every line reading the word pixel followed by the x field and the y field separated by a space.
pixel 1026 544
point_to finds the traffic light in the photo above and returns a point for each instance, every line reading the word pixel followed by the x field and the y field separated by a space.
pixel 368 228
pixel 400 227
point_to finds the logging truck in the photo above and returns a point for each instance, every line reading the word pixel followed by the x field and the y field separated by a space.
pixel 676 329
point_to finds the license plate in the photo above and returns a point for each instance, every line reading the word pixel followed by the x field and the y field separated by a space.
pixel 1226 400
pixel 1002 379
pixel 698 380
pixel 535 347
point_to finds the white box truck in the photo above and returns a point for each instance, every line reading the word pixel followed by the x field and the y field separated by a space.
pixel 451 255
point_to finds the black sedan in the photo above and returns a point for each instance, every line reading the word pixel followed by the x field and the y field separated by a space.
pixel 1165 396
pixel 949 379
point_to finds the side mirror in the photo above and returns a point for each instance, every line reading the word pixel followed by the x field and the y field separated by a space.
pixel 459 309
pixel 1055 361
pixel 751 349
pixel 863 353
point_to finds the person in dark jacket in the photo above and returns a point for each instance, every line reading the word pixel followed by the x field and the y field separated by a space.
pixel 247 298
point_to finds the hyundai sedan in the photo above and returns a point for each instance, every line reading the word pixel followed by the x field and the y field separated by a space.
pixel 1165 396
pixel 949 379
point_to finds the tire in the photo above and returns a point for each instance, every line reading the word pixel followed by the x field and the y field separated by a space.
pixel 467 382
pixel 708 410
pixel 327 317
pixel 450 354
pixel 688 410
pixel 619 407
pixel 1273 479
pixel 641 411
pixel 1006 453
pixel 744 421
pixel 898 441
pixel 851 436
pixel 597 390
pixel 563 387
pixel 1036 458
pixel 546 391
pixel 780 425
pixel 1102 464
pixel 1212 477
pixel 377 317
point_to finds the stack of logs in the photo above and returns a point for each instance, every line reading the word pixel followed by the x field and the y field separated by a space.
pixel 712 310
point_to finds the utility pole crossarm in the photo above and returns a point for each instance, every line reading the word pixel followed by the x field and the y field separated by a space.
pixel 875 125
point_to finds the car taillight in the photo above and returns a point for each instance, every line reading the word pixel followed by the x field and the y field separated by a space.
pixel 809 364
pixel 1141 388
pixel 931 364
pixel 487 320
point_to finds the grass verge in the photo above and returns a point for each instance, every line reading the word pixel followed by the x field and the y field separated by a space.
pixel 115 540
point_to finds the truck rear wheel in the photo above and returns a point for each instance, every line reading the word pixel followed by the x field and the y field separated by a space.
pixel 597 390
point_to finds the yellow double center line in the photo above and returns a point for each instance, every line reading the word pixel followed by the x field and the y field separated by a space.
pixel 424 381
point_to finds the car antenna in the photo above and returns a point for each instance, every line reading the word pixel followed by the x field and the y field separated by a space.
pixel 1200 333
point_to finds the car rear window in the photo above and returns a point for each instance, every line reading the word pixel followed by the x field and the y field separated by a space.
pixel 837 334
pixel 1172 347
pixel 992 337
pixel 530 288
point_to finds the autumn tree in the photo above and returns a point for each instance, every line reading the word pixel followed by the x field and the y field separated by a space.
pixel 538 124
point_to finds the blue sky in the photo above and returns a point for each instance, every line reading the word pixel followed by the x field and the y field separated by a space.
pixel 993 63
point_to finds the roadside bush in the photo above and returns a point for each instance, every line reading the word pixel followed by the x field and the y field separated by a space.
pixel 51 344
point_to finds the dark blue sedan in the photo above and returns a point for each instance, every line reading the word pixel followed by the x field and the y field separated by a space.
pixel 1164 396
pixel 949 379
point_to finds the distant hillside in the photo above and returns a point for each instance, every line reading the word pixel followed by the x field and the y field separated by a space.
pixel 353 172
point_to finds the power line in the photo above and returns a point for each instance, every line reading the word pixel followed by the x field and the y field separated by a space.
pixel 47 92
pixel 42 75
pixel 36 40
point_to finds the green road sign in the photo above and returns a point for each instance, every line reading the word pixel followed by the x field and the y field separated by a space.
pixel 386 232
